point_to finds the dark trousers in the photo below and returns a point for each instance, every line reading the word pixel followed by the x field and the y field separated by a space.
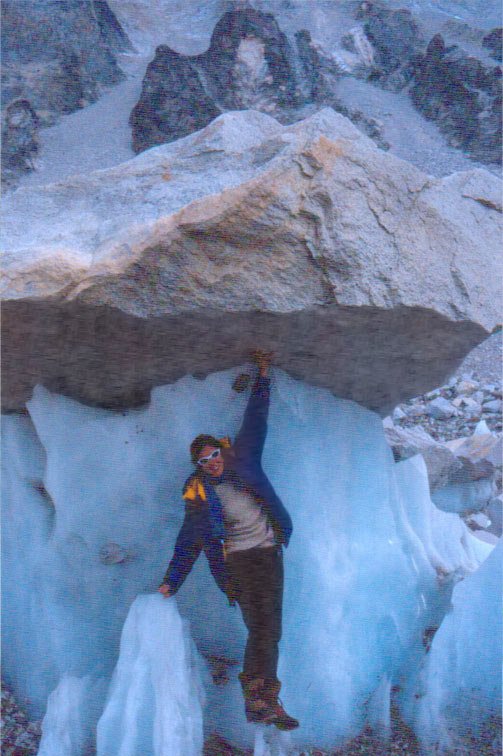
pixel 257 585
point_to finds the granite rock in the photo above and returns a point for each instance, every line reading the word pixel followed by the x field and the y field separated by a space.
pixel 362 274
pixel 441 408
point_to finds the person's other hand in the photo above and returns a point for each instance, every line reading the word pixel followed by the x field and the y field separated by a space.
pixel 165 590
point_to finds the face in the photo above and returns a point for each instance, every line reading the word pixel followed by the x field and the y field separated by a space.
pixel 215 466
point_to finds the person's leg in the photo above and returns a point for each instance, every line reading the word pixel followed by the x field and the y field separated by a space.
pixel 258 584
pixel 258 576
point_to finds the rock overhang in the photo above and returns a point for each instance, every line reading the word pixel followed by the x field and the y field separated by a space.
pixel 363 274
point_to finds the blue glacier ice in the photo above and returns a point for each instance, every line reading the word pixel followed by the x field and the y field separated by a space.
pixel 459 691
pixel 155 705
pixel 92 508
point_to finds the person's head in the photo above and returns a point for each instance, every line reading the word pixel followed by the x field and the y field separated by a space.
pixel 205 453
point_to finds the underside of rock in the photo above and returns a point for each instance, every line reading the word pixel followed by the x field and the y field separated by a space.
pixel 108 358
pixel 362 274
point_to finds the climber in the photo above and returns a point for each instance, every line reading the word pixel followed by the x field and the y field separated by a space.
pixel 233 513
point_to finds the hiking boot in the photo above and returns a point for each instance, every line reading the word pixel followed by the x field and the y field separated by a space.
pixel 262 705
pixel 277 714
pixel 256 707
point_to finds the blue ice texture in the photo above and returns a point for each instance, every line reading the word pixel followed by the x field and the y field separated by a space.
pixel 91 510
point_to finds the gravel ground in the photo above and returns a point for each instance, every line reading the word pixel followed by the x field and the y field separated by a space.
pixel 20 737
pixel 482 365
pixel 411 136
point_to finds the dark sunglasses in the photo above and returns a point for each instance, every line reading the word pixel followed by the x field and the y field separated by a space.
pixel 205 460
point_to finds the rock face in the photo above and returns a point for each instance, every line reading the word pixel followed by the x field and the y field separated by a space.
pixel 250 63
pixel 361 273
pixel 247 65
pixel 463 96
pixel 56 57
pixel 455 88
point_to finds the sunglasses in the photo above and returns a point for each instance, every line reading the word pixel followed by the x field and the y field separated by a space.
pixel 205 460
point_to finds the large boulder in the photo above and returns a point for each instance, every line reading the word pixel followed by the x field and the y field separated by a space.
pixel 363 274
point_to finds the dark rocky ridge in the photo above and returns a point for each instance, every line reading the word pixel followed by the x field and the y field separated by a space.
pixel 251 63
pixel 494 43
pixel 57 56
pixel 182 93
pixel 463 96
pixel 458 90
pixel 396 40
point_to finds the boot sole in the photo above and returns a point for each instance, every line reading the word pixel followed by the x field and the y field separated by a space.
pixel 284 727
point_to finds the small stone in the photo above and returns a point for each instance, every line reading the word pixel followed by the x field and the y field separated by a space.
pixel 474 407
pixel 479 519
pixel 493 406
pixel 398 414
pixel 112 553
pixel 441 408
pixel 481 428
pixel 466 387
pixel 415 411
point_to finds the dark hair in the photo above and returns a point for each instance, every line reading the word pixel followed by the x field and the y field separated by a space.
pixel 200 442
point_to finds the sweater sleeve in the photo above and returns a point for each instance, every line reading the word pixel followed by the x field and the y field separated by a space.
pixel 187 549
pixel 252 434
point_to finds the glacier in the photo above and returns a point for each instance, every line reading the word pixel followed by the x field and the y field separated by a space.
pixel 91 509
pixel 460 686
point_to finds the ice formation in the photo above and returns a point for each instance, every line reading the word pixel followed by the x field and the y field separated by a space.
pixel 156 695
pixel 69 724
pixel 92 507
pixel 460 686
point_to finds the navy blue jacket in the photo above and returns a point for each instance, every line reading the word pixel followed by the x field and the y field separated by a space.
pixel 244 459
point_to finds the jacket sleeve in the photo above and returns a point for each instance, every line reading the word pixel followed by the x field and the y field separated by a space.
pixel 187 549
pixel 252 434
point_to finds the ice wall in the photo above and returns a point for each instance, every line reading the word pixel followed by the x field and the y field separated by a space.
pixel 459 693
pixel 92 508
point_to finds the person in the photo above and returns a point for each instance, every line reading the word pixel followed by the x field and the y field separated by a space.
pixel 233 513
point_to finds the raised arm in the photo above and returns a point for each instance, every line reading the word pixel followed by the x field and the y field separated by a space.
pixel 252 434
